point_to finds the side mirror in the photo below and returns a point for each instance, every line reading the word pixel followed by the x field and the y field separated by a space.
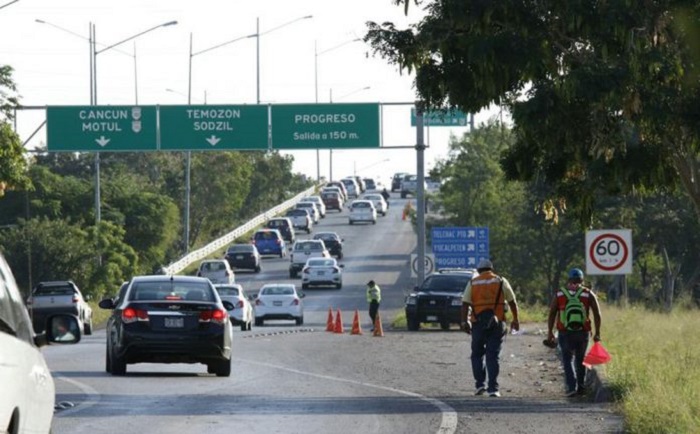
pixel 106 303
pixel 60 329
pixel 302 295
pixel 341 265
pixel 228 305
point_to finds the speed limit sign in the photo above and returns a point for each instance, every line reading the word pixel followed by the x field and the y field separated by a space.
pixel 609 252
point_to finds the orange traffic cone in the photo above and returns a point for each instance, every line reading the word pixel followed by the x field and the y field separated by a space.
pixel 330 327
pixel 338 323
pixel 378 331
pixel 356 329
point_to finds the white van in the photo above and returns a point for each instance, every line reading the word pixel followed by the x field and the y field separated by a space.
pixel 216 270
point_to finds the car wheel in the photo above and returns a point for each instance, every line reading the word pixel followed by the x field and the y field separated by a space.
pixel 308 230
pixel 445 325
pixel 108 361
pixel 350 221
pixel 222 368
pixel 338 285
pixel 413 324
pixel 340 255
pixel 300 320
pixel 244 326
pixel 118 365
pixel 304 286
pixel 403 195
pixel 374 222
pixel 249 326
pixel 384 214
pixel 259 322
pixel 281 253
pixel 293 274
pixel 87 327
pixel 257 269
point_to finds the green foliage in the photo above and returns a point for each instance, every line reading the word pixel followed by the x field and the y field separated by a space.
pixel 604 96
pixel 13 166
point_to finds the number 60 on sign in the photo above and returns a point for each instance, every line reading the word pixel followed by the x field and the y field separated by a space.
pixel 609 252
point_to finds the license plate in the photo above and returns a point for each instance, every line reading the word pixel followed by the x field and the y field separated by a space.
pixel 239 256
pixel 174 323
pixel 431 318
pixel 277 303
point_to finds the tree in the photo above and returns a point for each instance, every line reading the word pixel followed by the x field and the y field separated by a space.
pixel 604 95
pixel 13 166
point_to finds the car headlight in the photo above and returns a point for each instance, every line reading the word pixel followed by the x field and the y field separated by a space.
pixel 456 302
pixel 411 301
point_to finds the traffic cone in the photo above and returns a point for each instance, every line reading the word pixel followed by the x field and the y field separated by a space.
pixel 330 327
pixel 356 329
pixel 378 331
pixel 338 323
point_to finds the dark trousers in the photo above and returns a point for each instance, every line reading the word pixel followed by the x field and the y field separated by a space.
pixel 373 309
pixel 486 353
pixel 573 347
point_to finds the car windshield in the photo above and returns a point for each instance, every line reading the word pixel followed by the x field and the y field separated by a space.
pixel 308 246
pixel 55 290
pixel 266 235
pixel 277 290
pixel 213 266
pixel 277 223
pixel 321 263
pixel 446 283
pixel 326 237
pixel 244 248
pixel 227 290
pixel 361 205
pixel 296 212
pixel 171 290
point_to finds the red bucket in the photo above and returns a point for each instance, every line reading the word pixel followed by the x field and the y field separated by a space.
pixel 597 355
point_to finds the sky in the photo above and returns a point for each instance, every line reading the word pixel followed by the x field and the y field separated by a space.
pixel 51 63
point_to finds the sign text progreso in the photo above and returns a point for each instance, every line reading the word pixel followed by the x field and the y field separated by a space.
pixel 311 126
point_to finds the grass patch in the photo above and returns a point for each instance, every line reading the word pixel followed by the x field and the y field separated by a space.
pixel 654 371
pixel 99 315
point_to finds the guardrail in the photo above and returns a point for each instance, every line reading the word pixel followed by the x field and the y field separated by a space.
pixel 185 261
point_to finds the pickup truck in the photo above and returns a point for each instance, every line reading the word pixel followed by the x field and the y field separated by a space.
pixel 302 251
pixel 409 185
pixel 63 297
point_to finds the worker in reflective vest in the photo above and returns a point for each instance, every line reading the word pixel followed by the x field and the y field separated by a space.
pixel 483 316
pixel 374 297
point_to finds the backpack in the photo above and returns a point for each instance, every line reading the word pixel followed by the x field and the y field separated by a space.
pixel 574 314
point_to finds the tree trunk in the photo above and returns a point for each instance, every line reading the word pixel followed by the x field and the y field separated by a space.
pixel 669 283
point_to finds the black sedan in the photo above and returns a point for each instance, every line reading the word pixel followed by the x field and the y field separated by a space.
pixel 169 319
pixel 243 256
pixel 333 243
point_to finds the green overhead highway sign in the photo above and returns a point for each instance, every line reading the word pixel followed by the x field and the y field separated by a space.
pixel 101 128
pixel 327 126
pixel 437 118
pixel 213 127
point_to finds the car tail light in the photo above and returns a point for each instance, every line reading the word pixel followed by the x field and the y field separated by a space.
pixel 199 274
pixel 306 271
pixel 252 242
pixel 295 302
pixel 336 270
pixel 259 302
pixel 217 315
pixel 29 301
pixel 228 273
pixel 241 304
pixel 130 315
pixel 278 242
pixel 75 298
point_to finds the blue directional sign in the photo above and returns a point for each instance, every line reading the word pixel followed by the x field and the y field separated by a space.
pixel 460 247
pixel 450 118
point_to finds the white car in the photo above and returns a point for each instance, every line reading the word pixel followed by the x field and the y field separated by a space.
pixel 279 301
pixel 319 204
pixel 362 211
pixel 379 203
pixel 216 270
pixel 312 208
pixel 302 251
pixel 301 219
pixel 28 392
pixel 322 271
pixel 242 312
pixel 351 186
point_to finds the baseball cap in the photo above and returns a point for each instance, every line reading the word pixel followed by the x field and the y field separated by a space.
pixel 370 283
pixel 484 264
pixel 575 273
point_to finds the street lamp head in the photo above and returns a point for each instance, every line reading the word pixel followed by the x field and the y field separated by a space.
pixel 307 17
pixel 40 21
pixel 169 23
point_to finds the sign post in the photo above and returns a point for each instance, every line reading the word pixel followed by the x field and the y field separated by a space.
pixel 451 118
pixel 609 252
pixel 213 127
pixel 101 128
pixel 325 126
pixel 428 265
pixel 460 247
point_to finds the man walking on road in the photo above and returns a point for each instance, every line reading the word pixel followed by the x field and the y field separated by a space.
pixel 374 297
pixel 570 308
pixel 483 316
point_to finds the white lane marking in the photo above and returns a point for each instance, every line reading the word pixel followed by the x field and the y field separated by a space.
pixel 93 396
pixel 448 425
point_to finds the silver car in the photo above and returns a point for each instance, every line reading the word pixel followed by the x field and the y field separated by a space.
pixel 322 271
pixel 279 301
pixel 242 312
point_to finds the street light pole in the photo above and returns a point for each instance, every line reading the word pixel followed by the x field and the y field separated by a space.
pixel 93 64
pixel 8 4
pixel 318 155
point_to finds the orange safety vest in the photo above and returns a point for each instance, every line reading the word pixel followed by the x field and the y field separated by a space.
pixel 484 290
